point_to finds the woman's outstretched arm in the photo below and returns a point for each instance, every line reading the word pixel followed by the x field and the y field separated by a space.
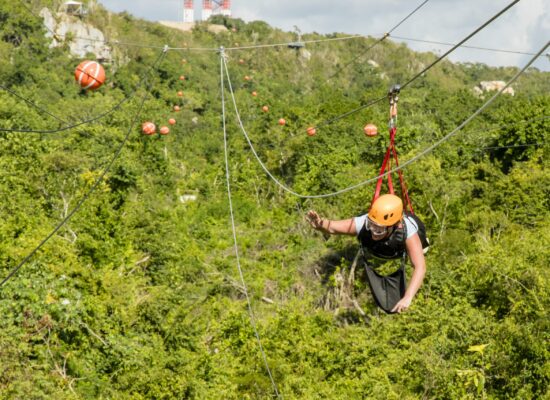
pixel 333 227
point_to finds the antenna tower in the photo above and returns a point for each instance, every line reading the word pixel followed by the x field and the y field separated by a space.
pixel 188 11
pixel 207 8
pixel 215 7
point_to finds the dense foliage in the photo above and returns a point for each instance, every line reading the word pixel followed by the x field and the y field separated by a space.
pixel 138 296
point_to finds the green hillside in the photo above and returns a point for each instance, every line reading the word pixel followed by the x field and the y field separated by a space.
pixel 138 295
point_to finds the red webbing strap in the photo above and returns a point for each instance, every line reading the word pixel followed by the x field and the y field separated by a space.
pixel 389 178
pixel 404 191
pixel 391 151
pixel 384 167
pixel 392 145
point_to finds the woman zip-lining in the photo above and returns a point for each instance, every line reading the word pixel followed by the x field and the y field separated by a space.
pixel 386 232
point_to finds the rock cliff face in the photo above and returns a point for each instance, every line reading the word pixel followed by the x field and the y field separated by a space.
pixel 490 86
pixel 83 37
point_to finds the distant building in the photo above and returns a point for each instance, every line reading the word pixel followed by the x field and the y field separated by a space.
pixel 74 8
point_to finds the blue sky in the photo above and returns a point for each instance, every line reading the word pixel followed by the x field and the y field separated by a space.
pixel 525 27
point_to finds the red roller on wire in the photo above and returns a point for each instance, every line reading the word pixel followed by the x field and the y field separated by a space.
pixel 148 128
pixel 370 130
pixel 90 75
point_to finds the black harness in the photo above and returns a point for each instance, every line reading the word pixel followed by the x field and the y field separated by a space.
pixel 386 290
pixel 388 248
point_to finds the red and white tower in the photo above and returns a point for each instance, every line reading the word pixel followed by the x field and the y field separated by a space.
pixel 188 11
pixel 226 8
pixel 206 9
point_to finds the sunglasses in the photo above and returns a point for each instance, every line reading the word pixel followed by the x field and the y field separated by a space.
pixel 377 229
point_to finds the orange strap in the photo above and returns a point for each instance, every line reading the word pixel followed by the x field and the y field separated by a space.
pixel 386 165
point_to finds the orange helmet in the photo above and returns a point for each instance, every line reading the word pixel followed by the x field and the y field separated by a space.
pixel 387 210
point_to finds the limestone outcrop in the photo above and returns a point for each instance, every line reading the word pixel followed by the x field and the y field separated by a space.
pixel 81 37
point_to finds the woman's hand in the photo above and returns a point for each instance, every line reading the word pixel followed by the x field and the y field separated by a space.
pixel 331 227
pixel 314 220
pixel 402 305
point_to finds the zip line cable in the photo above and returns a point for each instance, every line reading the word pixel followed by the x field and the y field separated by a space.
pixel 513 3
pixel 525 121
pixel 42 110
pixel 351 112
pixel 75 125
pixel 411 80
pixel 354 59
pixel 94 186
pixel 208 49
pixel 380 40
pixel 235 244
pixel 512 146
pixel 475 151
pixel 478 151
pixel 285 44
pixel 407 17
pixel 401 166
pixel 499 127
pixel 117 42
pixel 30 11
pixel 465 46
